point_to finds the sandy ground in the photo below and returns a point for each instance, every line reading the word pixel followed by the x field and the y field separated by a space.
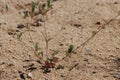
pixel 98 59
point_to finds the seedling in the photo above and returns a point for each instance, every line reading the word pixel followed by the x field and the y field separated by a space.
pixel 37 52
pixel 33 5
pixel 69 51
pixel 36 47
pixel 46 60
pixel 20 35
pixel 48 3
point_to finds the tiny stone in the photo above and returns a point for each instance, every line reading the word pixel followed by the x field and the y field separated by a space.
pixel 61 44
pixel 88 49
pixel 30 75
pixel 20 26
pixel 17 31
pixel 93 72
pixel 98 50
pixel 77 25
pixel 98 23
pixel 86 59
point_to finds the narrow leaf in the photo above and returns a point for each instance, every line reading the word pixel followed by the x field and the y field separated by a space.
pixel 70 48
pixel 19 36
pixel 48 3
pixel 33 7
pixel 36 47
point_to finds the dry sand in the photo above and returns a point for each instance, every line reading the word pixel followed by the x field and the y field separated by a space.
pixel 98 59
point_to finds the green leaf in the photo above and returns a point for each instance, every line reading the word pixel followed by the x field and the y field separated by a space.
pixel 19 36
pixel 48 3
pixel 36 47
pixel 33 5
pixel 70 49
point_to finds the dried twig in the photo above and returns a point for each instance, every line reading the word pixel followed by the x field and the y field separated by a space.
pixel 95 33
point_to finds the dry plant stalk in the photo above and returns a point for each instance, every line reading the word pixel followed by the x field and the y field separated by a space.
pixel 96 32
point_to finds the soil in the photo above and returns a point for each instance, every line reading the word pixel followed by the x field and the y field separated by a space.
pixel 91 26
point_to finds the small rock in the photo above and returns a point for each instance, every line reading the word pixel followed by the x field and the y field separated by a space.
pixel 61 44
pixel 17 31
pixel 30 75
pixel 86 59
pixel 98 50
pixel 98 23
pixel 94 72
pixel 20 26
pixel 77 25
pixel 22 75
pixel 88 49
pixel 11 33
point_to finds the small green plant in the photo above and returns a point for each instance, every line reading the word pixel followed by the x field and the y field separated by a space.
pixel 41 8
pixel 36 47
pixel 33 5
pixel 20 35
pixel 48 3
pixel 48 61
pixel 69 51
pixel 37 52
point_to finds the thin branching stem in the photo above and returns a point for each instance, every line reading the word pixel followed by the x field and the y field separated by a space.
pixel 95 33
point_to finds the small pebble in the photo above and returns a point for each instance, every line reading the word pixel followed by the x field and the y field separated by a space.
pixel 98 23
pixel 94 72
pixel 20 26
pixel 88 49
pixel 30 75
